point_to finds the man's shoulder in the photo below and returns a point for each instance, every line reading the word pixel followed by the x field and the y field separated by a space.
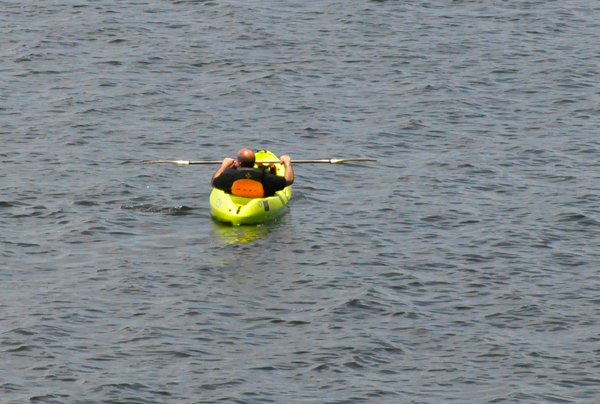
pixel 224 180
pixel 273 178
pixel 271 175
pixel 229 171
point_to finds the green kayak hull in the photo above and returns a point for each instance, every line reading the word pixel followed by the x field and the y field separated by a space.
pixel 239 210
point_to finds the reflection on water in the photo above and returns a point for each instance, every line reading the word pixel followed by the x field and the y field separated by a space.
pixel 228 234
pixel 225 233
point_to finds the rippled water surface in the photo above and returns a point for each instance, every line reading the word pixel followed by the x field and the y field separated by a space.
pixel 462 267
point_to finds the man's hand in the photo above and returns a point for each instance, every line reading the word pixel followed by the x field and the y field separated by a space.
pixel 289 171
pixel 227 162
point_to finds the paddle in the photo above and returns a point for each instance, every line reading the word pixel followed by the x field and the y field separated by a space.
pixel 328 161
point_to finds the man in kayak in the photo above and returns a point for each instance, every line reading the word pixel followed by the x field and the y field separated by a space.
pixel 243 179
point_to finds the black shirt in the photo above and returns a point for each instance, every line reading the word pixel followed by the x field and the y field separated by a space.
pixel 271 182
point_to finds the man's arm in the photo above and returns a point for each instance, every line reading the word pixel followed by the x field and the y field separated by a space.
pixel 289 171
pixel 227 162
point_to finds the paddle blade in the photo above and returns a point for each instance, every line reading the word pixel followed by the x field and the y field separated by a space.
pixel 338 161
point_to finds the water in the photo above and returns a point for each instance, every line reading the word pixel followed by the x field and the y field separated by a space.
pixel 460 268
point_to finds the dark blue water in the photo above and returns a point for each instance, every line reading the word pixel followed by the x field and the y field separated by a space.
pixel 462 267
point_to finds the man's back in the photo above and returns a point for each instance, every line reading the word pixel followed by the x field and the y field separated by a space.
pixel 271 183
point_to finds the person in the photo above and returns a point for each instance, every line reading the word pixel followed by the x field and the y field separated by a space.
pixel 243 179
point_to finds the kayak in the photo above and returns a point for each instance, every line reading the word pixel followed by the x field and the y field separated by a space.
pixel 239 210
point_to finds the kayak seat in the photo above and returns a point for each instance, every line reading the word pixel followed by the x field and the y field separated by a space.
pixel 248 188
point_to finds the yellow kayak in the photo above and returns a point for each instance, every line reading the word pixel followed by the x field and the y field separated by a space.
pixel 239 210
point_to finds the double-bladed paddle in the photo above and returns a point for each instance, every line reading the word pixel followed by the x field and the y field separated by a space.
pixel 329 161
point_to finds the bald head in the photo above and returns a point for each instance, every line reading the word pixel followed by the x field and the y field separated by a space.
pixel 246 158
